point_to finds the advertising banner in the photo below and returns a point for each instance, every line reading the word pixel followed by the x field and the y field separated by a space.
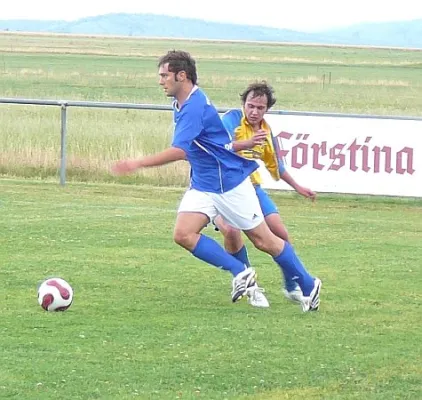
pixel 349 155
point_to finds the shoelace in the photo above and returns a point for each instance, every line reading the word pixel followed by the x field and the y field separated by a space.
pixel 255 290
pixel 306 304
pixel 241 284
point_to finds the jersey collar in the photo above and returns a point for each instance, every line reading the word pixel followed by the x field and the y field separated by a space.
pixel 176 105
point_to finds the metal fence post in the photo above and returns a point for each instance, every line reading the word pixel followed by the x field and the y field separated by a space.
pixel 63 131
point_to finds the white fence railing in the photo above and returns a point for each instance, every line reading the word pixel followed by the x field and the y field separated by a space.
pixel 65 104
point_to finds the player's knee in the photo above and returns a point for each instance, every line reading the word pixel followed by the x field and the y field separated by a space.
pixel 284 235
pixel 232 234
pixel 267 242
pixel 261 244
pixel 182 238
pixel 233 240
pixel 279 229
pixel 222 226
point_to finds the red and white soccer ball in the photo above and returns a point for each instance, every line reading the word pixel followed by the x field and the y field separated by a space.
pixel 55 294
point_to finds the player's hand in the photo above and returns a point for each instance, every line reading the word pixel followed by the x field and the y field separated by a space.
pixel 124 167
pixel 259 137
pixel 305 192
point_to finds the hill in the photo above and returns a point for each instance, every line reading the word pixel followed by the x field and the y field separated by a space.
pixel 392 34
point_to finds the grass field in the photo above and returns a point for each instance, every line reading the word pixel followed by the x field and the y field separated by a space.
pixel 311 78
pixel 149 321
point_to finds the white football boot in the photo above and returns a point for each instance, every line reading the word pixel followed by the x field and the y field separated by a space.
pixel 311 302
pixel 256 297
pixel 294 295
pixel 242 282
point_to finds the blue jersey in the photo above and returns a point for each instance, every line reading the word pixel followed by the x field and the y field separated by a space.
pixel 200 132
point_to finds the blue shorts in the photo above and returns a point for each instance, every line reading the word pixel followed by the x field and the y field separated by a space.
pixel 267 205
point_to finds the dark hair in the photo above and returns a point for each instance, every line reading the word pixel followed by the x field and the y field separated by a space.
pixel 260 89
pixel 180 61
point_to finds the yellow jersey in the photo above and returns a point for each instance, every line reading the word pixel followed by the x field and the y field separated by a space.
pixel 239 128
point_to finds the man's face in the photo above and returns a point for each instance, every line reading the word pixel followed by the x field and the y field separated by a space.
pixel 255 108
pixel 168 81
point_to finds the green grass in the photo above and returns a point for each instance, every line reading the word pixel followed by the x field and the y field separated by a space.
pixel 311 78
pixel 361 80
pixel 149 321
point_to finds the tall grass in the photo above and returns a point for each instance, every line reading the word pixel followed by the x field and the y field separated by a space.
pixel 314 78
pixel 94 141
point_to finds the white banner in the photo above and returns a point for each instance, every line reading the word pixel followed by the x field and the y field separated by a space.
pixel 349 155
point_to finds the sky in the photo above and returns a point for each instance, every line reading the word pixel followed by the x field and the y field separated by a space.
pixel 301 15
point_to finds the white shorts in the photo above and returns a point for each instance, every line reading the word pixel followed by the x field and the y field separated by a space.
pixel 239 207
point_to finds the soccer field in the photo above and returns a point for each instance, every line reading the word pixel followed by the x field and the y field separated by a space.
pixel 149 321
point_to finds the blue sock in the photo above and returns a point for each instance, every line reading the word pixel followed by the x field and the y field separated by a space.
pixel 211 252
pixel 242 256
pixel 289 283
pixel 293 269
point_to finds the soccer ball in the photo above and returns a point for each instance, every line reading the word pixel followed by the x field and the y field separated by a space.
pixel 55 294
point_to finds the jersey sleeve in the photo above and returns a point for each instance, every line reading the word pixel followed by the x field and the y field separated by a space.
pixel 189 126
pixel 270 157
pixel 281 167
pixel 231 120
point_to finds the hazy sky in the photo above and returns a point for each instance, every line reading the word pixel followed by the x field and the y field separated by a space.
pixel 305 15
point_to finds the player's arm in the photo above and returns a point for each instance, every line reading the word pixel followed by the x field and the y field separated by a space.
pixel 232 120
pixel 186 130
pixel 257 139
pixel 308 193
pixel 278 171
pixel 286 177
pixel 164 157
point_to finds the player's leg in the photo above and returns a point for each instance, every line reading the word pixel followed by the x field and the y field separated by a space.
pixel 234 245
pixel 272 217
pixel 292 267
pixel 271 214
pixel 233 242
pixel 195 211
pixel 276 226
pixel 290 289
pixel 240 208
